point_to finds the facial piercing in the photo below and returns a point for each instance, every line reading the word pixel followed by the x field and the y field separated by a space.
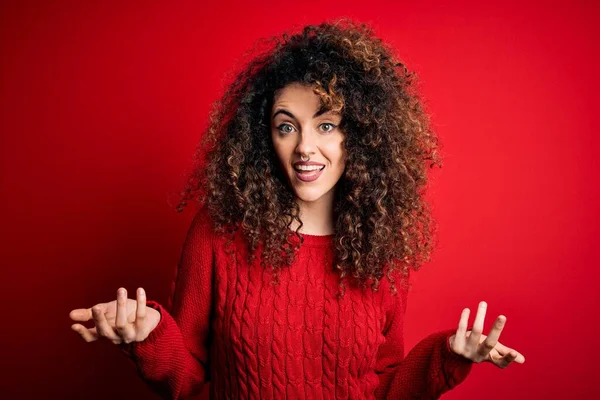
pixel 302 158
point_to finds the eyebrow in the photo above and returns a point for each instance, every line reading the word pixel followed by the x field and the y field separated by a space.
pixel 289 114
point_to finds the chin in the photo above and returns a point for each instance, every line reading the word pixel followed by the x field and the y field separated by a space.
pixel 308 195
pixel 308 198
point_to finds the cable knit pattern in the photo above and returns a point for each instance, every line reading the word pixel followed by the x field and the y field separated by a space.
pixel 329 338
pixel 358 343
pixel 220 286
pixel 230 299
pixel 249 334
pixel 313 333
pixel 228 324
pixel 278 346
pixel 235 332
pixel 265 338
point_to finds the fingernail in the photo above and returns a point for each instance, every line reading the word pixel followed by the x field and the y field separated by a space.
pixel 121 292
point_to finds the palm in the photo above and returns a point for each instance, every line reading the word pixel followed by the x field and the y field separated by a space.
pixel 110 312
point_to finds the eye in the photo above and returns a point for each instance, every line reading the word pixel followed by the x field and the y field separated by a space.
pixel 280 128
pixel 331 125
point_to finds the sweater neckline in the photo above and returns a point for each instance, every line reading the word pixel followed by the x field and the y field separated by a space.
pixel 317 240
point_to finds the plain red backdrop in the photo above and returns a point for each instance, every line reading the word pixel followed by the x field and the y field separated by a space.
pixel 102 104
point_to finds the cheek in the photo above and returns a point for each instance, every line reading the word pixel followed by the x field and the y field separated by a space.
pixel 335 153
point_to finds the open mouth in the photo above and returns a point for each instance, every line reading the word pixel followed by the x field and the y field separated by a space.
pixel 308 173
pixel 308 170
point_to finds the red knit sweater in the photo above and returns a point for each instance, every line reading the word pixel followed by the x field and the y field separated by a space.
pixel 228 325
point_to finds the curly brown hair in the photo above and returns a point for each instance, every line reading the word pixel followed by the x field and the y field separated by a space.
pixel 382 221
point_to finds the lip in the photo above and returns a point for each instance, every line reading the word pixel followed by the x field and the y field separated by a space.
pixel 313 176
pixel 310 176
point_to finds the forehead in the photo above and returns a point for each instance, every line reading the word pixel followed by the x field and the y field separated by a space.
pixel 299 99
pixel 295 93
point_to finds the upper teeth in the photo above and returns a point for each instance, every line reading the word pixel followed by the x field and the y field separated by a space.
pixel 308 167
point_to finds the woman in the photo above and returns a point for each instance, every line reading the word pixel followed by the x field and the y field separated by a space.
pixel 293 278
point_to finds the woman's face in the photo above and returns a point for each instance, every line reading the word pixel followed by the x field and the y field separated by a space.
pixel 299 129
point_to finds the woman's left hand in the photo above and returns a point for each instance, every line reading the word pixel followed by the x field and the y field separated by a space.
pixel 478 347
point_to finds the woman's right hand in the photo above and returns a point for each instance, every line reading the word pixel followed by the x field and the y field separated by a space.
pixel 121 321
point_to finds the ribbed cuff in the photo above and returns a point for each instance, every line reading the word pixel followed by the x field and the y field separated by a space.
pixel 455 366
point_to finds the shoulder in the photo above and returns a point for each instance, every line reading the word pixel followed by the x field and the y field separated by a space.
pixel 201 227
pixel 202 218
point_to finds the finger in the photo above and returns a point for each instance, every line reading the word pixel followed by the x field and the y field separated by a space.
pixel 492 339
pixel 123 327
pixel 505 360
pixel 461 332
pixel 502 349
pixel 81 314
pixel 102 326
pixel 477 329
pixel 140 311
pixel 89 335
pixel 520 358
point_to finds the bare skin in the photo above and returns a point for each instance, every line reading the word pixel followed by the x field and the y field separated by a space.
pixel 120 321
pixel 481 348
pixel 298 130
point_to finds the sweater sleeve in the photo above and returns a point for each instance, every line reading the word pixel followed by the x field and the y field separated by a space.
pixel 428 370
pixel 173 359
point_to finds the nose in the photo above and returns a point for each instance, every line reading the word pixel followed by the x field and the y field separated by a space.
pixel 307 142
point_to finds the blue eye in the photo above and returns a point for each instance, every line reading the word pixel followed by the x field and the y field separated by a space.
pixel 332 126
pixel 280 128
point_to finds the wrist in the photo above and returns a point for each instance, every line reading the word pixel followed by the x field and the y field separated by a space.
pixel 154 316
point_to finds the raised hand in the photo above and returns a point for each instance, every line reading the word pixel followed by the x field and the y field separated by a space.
pixel 478 347
pixel 121 321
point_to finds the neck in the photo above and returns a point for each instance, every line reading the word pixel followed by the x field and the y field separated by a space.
pixel 316 216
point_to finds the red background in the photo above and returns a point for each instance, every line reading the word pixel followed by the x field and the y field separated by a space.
pixel 102 104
